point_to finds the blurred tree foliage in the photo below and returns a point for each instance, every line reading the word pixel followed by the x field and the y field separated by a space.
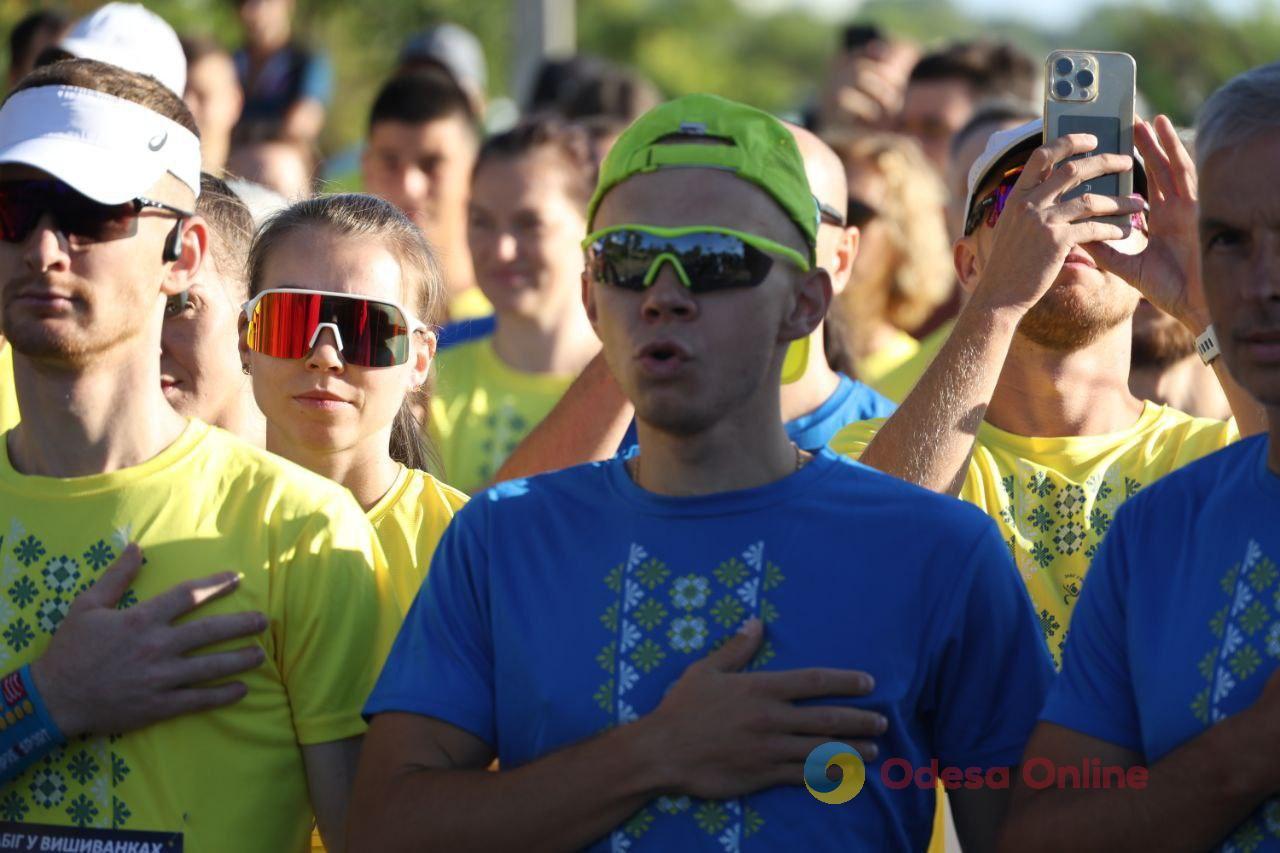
pixel 1184 49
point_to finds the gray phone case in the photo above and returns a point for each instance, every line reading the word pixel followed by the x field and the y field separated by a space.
pixel 1107 114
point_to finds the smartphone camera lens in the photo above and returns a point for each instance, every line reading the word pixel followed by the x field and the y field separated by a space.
pixel 1063 66
pixel 1085 78
pixel 1062 88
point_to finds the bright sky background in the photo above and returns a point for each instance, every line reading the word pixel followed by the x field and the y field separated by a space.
pixel 1047 14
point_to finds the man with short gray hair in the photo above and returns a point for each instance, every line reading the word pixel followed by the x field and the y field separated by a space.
pixel 1174 658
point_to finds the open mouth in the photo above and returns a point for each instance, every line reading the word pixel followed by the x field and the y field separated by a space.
pixel 662 358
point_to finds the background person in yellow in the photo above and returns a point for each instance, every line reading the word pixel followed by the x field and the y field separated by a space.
pixel 199 361
pixel 422 143
pixel 338 342
pixel 98 236
pixel 1026 412
pixel 903 270
pixel 529 195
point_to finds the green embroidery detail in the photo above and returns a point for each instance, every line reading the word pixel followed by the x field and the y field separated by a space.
pixel 604 696
pixel 610 618
pixel 648 655
pixel 768 613
pixel 613 579
pixel 82 767
pixel 710 817
pixel 1069 538
pixel 639 823
pixel 82 811
pixel 13 807
pixel 650 614
pixel 751 822
pixel 1040 519
pixel 1048 623
pixel 1218 623
pixel 1039 485
pixel 23 592
pixel 731 572
pixel 1099 521
pixel 19 634
pixel 1070 502
pixel 98 555
pixel 728 611
pixel 1255 617
pixel 28 550
pixel 1041 555
pixel 1244 661
pixel 1263 574
pixel 1200 705
pixel 773 576
pixel 652 572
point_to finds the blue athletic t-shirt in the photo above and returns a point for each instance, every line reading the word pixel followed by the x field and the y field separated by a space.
pixel 1178 625
pixel 560 606
pixel 852 401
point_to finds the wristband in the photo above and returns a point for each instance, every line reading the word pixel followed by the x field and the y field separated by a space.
pixel 27 730
pixel 1207 345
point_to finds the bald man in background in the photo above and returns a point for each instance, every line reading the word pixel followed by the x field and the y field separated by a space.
pixel 591 421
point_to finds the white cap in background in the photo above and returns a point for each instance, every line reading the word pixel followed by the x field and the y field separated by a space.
pixel 130 36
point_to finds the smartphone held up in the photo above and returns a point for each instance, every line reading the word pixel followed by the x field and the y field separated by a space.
pixel 1093 92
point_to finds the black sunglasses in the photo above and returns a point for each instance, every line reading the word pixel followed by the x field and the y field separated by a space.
pixel 81 219
pixel 859 214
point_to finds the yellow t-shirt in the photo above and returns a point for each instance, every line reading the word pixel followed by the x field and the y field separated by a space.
pixel 233 778
pixel 470 304
pixel 874 367
pixel 8 394
pixel 1054 498
pixel 409 520
pixel 483 409
pixel 898 382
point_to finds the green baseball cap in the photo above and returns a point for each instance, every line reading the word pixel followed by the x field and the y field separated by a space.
pixel 760 150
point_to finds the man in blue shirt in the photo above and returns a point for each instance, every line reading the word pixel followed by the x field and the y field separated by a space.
pixel 652 647
pixel 1174 655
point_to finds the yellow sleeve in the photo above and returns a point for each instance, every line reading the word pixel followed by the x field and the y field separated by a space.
pixel 853 439
pixel 336 618
pixel 1201 436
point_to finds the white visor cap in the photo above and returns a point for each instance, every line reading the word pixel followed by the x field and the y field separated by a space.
pixel 107 148
pixel 132 37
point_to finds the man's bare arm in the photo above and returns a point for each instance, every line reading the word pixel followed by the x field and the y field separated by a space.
pixel 585 426
pixel 1192 799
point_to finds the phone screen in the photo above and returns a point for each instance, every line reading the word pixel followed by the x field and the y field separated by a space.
pixel 1107 130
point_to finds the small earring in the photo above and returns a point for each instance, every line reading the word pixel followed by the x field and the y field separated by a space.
pixel 244 368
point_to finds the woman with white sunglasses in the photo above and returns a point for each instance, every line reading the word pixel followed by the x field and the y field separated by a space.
pixel 337 338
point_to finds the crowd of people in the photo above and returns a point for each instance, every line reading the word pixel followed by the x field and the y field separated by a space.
pixel 569 484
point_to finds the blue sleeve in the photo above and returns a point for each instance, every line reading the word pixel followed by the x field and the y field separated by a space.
pixel 441 664
pixel 1094 693
pixel 878 406
pixel 317 79
pixel 994 668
